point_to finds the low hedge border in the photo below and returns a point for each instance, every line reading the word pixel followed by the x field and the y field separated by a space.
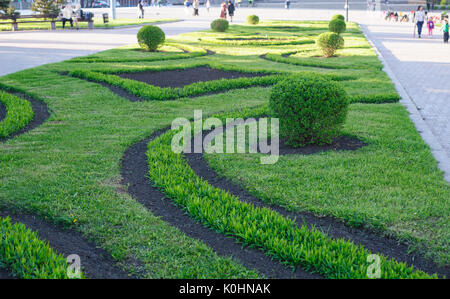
pixel 191 52
pixel 19 113
pixel 263 228
pixel 27 256
pixel 259 42
pixel 320 64
pixel 155 93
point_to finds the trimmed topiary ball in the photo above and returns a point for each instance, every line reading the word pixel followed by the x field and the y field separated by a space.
pixel 337 26
pixel 329 42
pixel 338 17
pixel 311 109
pixel 252 19
pixel 220 25
pixel 150 37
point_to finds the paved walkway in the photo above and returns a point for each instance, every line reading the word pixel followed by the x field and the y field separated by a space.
pixel 421 69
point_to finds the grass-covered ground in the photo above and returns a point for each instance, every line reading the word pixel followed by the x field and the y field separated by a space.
pixel 69 167
pixel 98 23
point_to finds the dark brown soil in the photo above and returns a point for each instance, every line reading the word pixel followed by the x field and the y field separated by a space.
pixel 96 263
pixel 336 229
pixel 135 177
pixel 40 115
pixel 180 78
pixel 2 111
pixel 341 143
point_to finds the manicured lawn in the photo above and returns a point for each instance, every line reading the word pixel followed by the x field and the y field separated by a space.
pixel 70 166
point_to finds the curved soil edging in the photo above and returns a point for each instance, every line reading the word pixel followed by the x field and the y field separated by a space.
pixel 135 177
pixel 40 111
pixel 2 111
pixel 387 246
pixel 96 263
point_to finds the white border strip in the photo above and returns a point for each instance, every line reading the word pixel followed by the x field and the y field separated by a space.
pixel 422 127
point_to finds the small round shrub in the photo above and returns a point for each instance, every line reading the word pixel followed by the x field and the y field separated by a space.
pixel 329 42
pixel 150 37
pixel 311 109
pixel 337 26
pixel 338 17
pixel 219 25
pixel 252 19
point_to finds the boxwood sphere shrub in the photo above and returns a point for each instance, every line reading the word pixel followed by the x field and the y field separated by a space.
pixel 150 37
pixel 220 25
pixel 338 17
pixel 252 19
pixel 311 109
pixel 329 42
pixel 337 26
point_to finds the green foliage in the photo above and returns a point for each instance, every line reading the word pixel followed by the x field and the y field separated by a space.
pixel 311 109
pixel 252 19
pixel 219 25
pixel 329 42
pixel 47 7
pixel 18 114
pixel 258 227
pixel 26 255
pixel 155 93
pixel 338 17
pixel 337 26
pixel 150 37
pixel 4 4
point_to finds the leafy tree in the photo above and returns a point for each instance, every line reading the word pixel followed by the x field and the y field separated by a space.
pixel 47 7
pixel 4 5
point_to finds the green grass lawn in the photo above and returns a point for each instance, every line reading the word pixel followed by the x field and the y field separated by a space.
pixel 69 167
pixel 98 23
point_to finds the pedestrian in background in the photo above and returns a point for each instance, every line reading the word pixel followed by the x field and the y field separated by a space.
pixel 140 8
pixel 445 30
pixel 223 11
pixel 231 10
pixel 430 26
pixel 420 19
pixel 195 6
pixel 287 3
pixel 208 5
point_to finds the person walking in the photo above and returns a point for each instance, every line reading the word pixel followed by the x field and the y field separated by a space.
pixel 195 6
pixel 287 3
pixel 444 29
pixel 77 15
pixel 231 10
pixel 239 3
pixel 187 4
pixel 140 8
pixel 223 11
pixel 208 5
pixel 430 26
pixel 67 16
pixel 420 19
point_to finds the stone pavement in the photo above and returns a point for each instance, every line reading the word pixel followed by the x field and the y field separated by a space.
pixel 421 70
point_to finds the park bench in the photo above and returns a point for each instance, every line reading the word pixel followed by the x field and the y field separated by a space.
pixel 52 19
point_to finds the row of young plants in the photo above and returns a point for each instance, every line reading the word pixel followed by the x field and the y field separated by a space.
pixel 27 256
pixel 259 42
pixel 19 113
pixel 263 228
pixel 150 92
pixel 190 52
